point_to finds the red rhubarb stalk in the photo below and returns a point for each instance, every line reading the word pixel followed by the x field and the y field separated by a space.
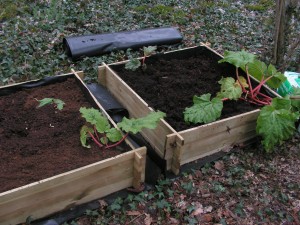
pixel 117 143
pixel 95 140
pixel 249 82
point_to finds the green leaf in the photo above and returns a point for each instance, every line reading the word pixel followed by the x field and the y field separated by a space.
pixel 136 125
pixel 296 101
pixel 296 91
pixel 257 69
pixel 278 78
pixel 95 117
pixel 45 101
pixel 204 110
pixel 243 82
pixel 133 64
pixel 229 89
pixel 113 135
pixel 149 50
pixel 59 103
pixel 104 140
pixel 276 123
pixel 281 103
pixel 84 134
pixel 238 59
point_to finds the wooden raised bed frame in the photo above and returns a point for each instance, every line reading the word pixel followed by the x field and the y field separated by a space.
pixel 45 197
pixel 181 147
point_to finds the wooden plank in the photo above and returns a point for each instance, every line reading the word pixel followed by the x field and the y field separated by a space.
pixel 138 170
pixel 206 140
pixel 69 189
pixel 174 143
pixel 137 108
pixel 225 125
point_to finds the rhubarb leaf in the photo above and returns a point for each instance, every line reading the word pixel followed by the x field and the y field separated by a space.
pixel 95 117
pixel 276 123
pixel 84 134
pixel 204 110
pixel 136 125
pixel 277 79
pixel 45 101
pixel 113 135
pixel 238 59
pixel 257 69
pixel 59 103
pixel 149 50
pixel 229 89
pixel 243 82
pixel 133 64
pixel 296 100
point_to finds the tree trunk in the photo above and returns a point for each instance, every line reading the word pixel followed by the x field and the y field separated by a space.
pixel 279 36
pixel 282 53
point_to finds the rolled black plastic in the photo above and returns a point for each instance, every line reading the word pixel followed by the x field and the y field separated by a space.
pixel 98 44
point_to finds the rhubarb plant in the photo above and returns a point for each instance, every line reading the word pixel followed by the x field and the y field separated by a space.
pixel 277 118
pixel 134 64
pixel 100 131
pixel 59 104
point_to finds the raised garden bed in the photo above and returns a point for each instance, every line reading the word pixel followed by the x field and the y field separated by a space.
pixel 169 84
pixel 43 167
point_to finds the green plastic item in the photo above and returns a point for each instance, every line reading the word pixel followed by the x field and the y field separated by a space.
pixel 293 80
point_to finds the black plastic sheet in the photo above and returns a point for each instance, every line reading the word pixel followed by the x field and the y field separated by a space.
pixel 93 45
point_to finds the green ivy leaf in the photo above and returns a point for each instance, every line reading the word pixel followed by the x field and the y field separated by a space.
pixel 84 134
pixel 136 125
pixel 133 64
pixel 204 110
pixel 238 59
pixel 149 50
pixel 113 135
pixel 95 117
pixel 229 89
pixel 276 123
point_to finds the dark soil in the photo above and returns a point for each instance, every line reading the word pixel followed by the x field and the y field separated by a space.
pixel 169 85
pixel 37 143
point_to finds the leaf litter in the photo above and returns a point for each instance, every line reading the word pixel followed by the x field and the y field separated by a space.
pixel 246 186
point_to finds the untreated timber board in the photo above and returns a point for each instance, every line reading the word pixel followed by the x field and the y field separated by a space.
pixel 45 197
pixel 181 147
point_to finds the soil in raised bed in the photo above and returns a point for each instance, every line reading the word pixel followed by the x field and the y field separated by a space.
pixel 37 143
pixel 169 85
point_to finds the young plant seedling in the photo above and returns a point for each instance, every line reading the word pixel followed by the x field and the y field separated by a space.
pixel 276 121
pixel 59 104
pixel 134 64
pixel 100 130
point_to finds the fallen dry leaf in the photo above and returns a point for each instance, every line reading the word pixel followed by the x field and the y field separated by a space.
pixel 219 165
pixel 148 219
pixel 102 203
pixel 198 211
pixel 133 213
pixel 173 221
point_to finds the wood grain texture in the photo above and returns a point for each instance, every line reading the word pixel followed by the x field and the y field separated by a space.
pixel 69 189
pixel 136 107
pixel 75 187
